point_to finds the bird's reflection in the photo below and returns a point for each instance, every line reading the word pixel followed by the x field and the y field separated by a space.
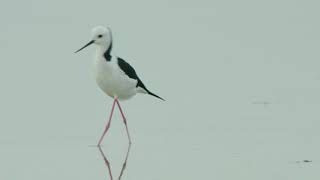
pixel 107 163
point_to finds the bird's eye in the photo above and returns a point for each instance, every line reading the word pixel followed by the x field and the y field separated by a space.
pixel 100 36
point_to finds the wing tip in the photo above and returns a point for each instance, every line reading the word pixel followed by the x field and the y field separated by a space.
pixel 152 94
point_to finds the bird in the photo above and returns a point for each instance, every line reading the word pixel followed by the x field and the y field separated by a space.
pixel 114 76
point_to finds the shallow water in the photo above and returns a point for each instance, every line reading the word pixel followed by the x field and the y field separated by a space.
pixel 241 80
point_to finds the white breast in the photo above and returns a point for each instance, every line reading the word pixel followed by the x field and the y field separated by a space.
pixel 112 80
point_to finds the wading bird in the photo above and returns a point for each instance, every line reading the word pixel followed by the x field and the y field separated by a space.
pixel 114 75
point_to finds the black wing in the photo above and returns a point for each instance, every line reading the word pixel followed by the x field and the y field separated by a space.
pixel 129 71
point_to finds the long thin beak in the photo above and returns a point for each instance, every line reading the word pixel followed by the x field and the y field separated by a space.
pixel 89 43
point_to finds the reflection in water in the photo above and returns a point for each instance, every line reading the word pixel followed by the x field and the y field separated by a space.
pixel 107 163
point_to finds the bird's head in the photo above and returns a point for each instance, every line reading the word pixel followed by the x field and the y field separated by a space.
pixel 100 36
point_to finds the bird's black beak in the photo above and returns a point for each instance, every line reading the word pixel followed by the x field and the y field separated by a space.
pixel 89 43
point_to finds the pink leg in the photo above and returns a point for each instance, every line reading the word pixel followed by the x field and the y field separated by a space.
pixel 124 120
pixel 109 122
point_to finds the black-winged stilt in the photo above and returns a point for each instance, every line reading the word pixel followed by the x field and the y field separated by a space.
pixel 114 75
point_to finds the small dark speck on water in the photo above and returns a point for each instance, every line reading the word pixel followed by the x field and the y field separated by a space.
pixel 304 161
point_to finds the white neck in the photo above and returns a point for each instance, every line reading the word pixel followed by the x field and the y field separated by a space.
pixel 101 49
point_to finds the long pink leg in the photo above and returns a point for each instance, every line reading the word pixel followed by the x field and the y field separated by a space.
pixel 124 120
pixel 109 122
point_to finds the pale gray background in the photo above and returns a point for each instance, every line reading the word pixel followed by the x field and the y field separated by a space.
pixel 241 79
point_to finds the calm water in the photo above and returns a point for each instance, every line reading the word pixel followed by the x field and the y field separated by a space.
pixel 241 79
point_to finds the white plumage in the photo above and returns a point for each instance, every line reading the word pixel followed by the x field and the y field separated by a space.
pixel 112 80
pixel 113 75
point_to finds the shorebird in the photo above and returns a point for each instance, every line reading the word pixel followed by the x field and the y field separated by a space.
pixel 114 75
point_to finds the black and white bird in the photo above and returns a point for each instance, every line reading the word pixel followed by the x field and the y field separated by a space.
pixel 114 75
